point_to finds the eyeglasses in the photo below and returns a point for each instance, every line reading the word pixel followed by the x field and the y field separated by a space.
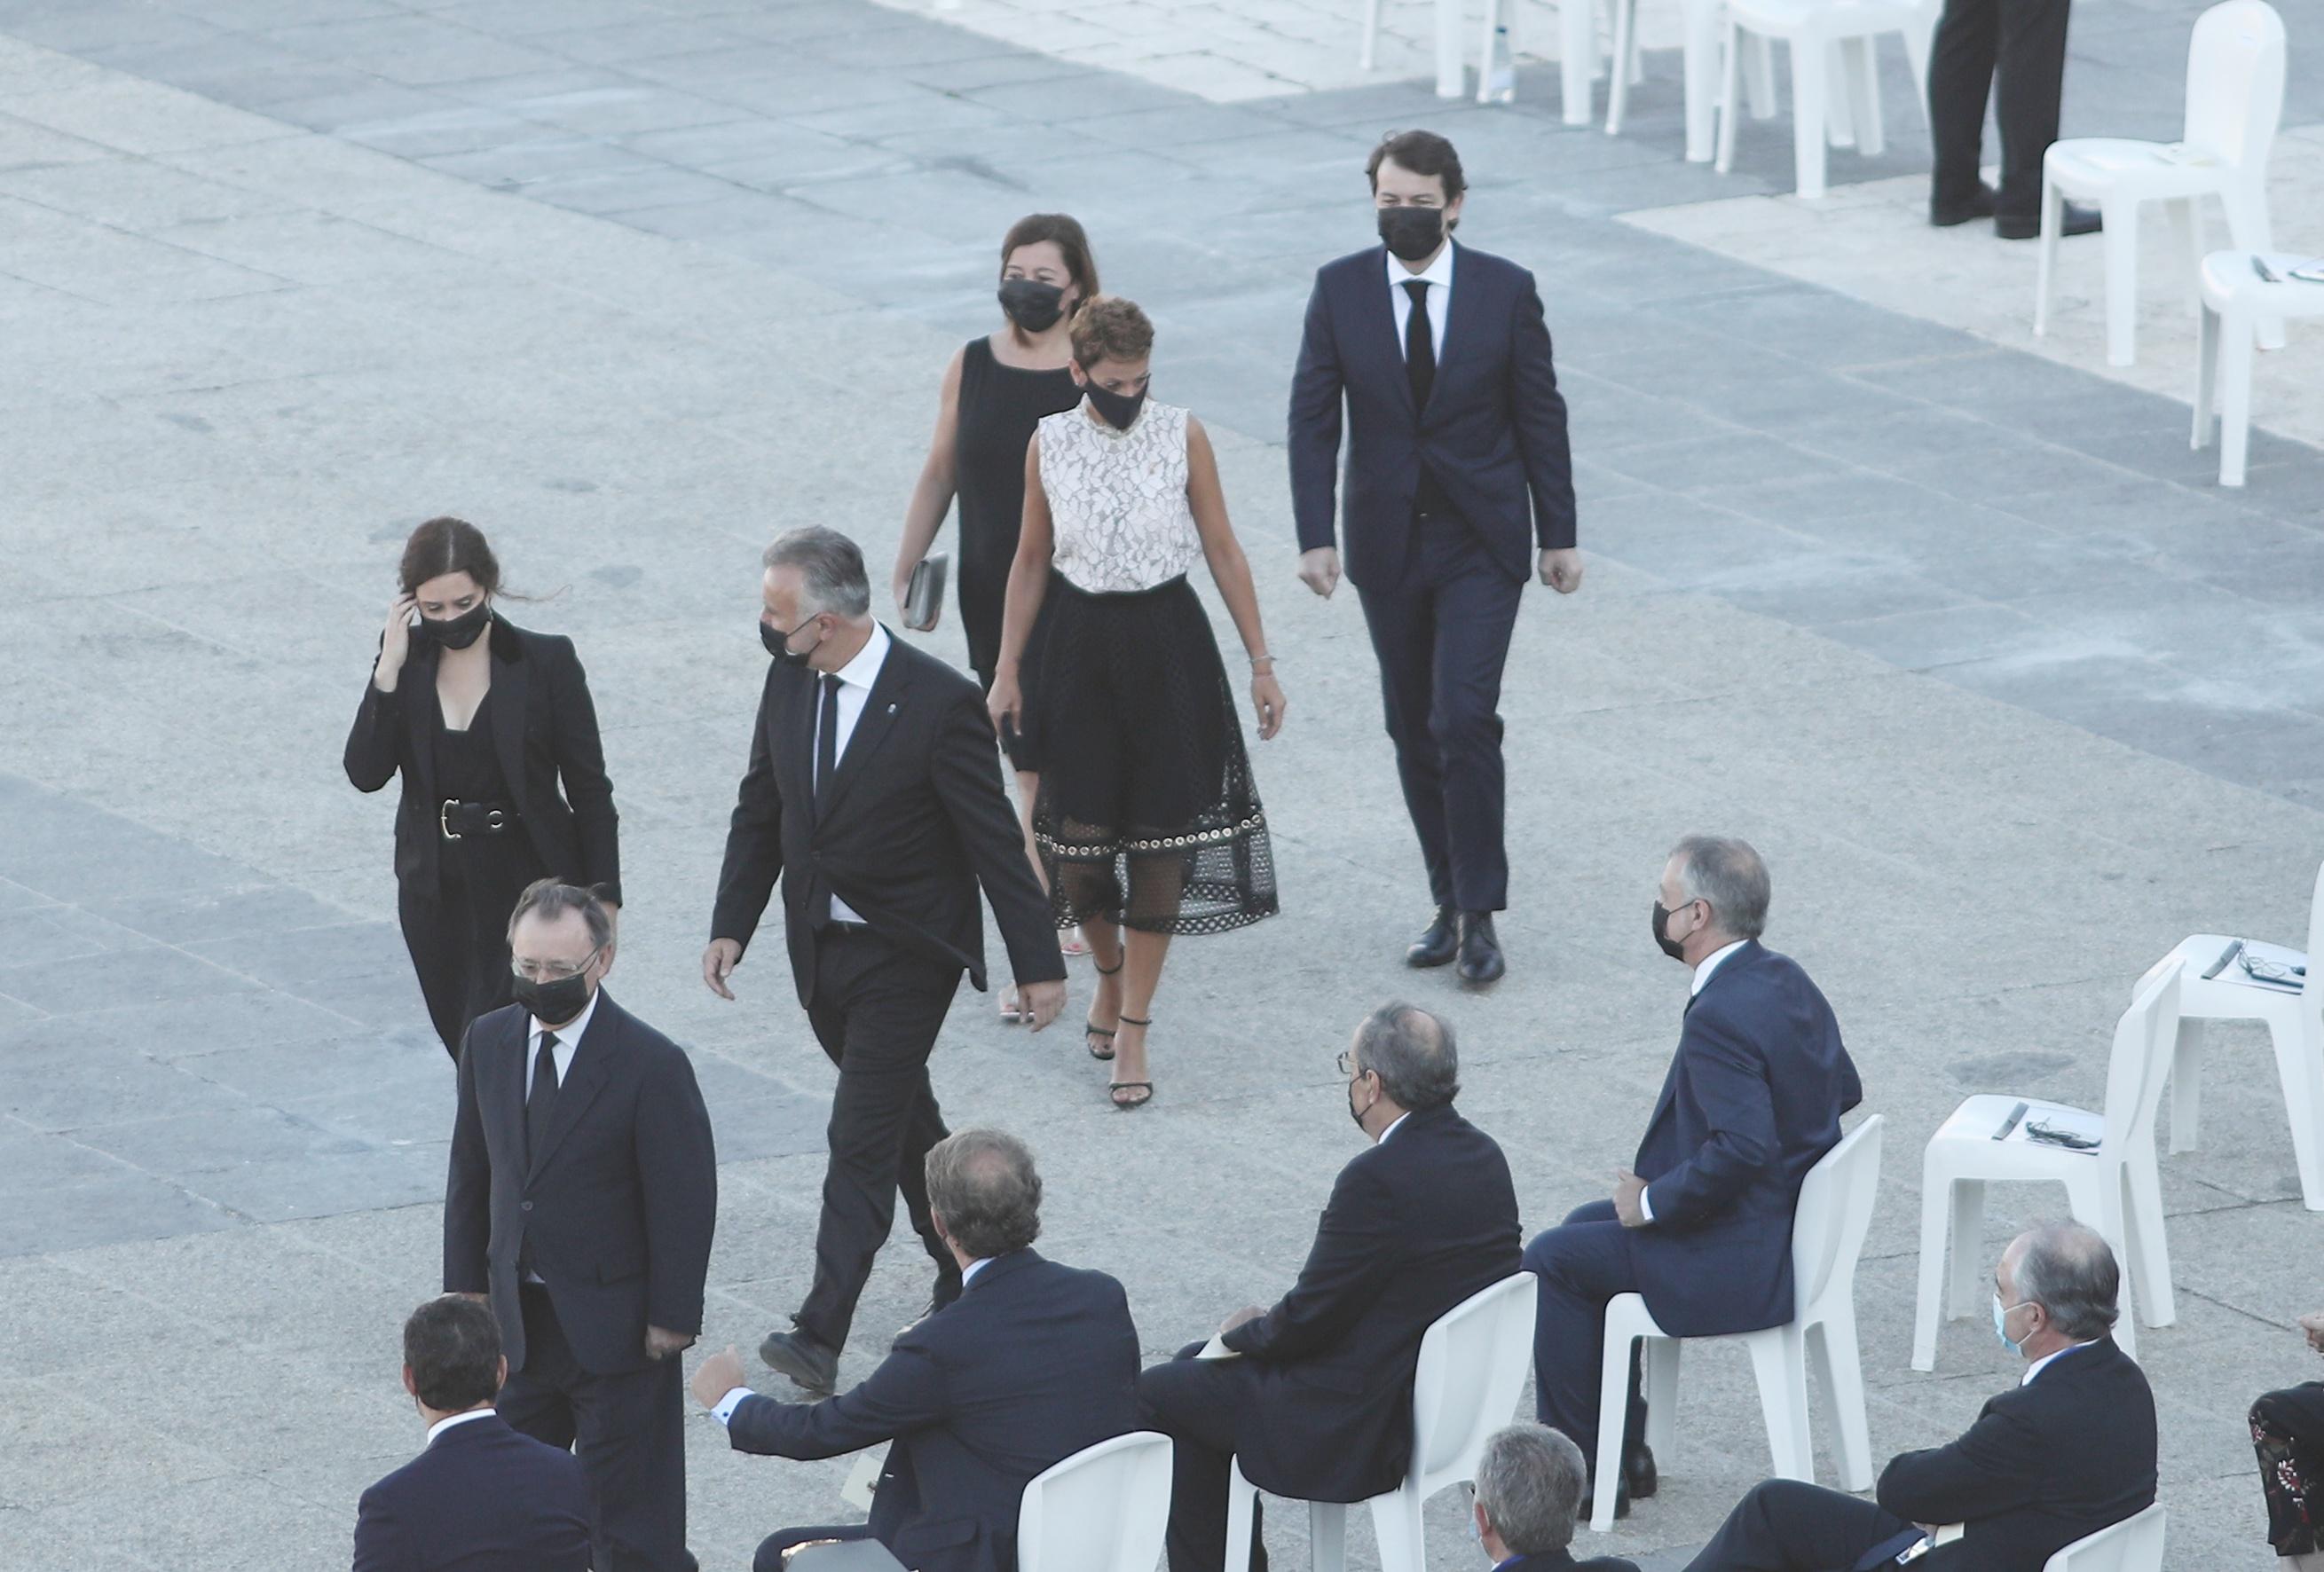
pixel 550 970
pixel 1348 1063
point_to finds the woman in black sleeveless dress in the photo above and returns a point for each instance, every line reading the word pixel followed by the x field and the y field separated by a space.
pixel 996 390
pixel 485 721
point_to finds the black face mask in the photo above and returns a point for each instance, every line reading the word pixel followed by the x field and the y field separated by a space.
pixel 779 644
pixel 1119 410
pixel 1412 234
pixel 1031 304
pixel 1352 1112
pixel 555 1003
pixel 1670 946
pixel 458 632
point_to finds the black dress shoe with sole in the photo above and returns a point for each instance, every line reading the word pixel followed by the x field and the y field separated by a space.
pixel 1980 205
pixel 808 1363
pixel 2074 220
pixel 1638 1475
pixel 1440 943
pixel 1480 953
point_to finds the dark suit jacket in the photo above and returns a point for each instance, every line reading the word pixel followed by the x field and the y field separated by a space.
pixel 1493 434
pixel 912 820
pixel 2043 1466
pixel 1563 1561
pixel 1033 1363
pixel 618 1204
pixel 1752 1101
pixel 481 1498
pixel 1415 1224
pixel 535 676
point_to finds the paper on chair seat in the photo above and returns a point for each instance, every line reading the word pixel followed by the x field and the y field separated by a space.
pixel 864 1478
pixel 1946 1533
pixel 1216 1348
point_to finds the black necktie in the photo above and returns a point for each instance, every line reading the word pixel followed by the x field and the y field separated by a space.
pixel 542 1097
pixel 1419 343
pixel 826 736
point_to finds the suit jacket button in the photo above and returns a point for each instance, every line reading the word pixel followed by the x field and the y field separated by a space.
pixel 526 1206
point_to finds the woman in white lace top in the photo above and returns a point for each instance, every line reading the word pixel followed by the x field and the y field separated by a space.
pixel 1148 821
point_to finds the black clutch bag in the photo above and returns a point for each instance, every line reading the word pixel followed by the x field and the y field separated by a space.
pixel 924 596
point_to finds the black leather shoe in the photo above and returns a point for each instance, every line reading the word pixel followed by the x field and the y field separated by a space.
pixel 1639 1477
pixel 807 1361
pixel 1480 953
pixel 1980 205
pixel 1440 943
pixel 2074 220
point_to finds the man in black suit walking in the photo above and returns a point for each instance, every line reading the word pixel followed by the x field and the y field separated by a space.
pixel 875 792
pixel 1032 1364
pixel 1525 1503
pixel 584 1190
pixel 1318 1403
pixel 1457 464
pixel 1702 1227
pixel 2066 1450
pixel 482 1497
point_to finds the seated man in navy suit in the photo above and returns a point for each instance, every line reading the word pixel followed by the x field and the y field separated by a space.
pixel 482 1497
pixel 1031 1364
pixel 2066 1450
pixel 1702 1228
pixel 1527 1500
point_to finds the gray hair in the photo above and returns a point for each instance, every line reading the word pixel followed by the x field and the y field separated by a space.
pixel 549 899
pixel 1529 1481
pixel 984 1184
pixel 2069 1271
pixel 831 567
pixel 1728 875
pixel 1412 1053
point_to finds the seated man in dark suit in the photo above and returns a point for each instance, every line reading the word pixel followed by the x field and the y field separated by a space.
pixel 2066 1451
pixel 1031 1364
pixel 1527 1500
pixel 1318 1402
pixel 482 1497
pixel 1703 1227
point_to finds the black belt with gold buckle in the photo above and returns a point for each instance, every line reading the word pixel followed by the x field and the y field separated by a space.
pixel 474 818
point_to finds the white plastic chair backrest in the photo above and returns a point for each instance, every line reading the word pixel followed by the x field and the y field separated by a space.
pixel 2235 83
pixel 2132 1545
pixel 2315 932
pixel 1473 1362
pixel 1101 1510
pixel 2144 1040
pixel 1834 1213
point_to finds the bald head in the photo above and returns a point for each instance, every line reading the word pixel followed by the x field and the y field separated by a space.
pixel 1412 1053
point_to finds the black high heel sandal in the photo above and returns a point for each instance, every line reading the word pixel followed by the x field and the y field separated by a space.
pixel 1116 1089
pixel 1089 1031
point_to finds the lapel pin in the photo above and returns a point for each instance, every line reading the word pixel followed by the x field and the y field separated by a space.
pixel 892 709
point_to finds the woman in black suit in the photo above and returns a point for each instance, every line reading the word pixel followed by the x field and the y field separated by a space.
pixel 484 721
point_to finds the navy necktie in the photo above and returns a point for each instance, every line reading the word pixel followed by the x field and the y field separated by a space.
pixel 826 736
pixel 543 1096
pixel 1419 343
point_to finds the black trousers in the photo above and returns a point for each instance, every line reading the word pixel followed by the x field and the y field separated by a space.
pixel 2016 49
pixel 1441 630
pixel 877 1009
pixel 458 931
pixel 1581 1266
pixel 629 1431
pixel 1785 1526
pixel 1194 1401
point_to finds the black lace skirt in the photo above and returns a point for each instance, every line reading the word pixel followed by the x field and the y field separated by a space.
pixel 1148 815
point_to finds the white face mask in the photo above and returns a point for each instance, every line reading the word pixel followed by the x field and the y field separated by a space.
pixel 2001 1323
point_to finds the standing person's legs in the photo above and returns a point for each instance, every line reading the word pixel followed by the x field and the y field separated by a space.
pixel 1580 1264
pixel 1785 1526
pixel 537 1398
pixel 2032 77
pixel 1960 77
pixel 878 1026
pixel 1476 612
pixel 1400 614
pixel 1195 1402
pixel 432 935
pixel 632 1430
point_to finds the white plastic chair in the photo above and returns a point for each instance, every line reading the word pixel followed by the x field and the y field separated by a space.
pixel 1104 1508
pixel 1700 56
pixel 1472 1367
pixel 1449 68
pixel 2295 1025
pixel 1828 1229
pixel 1819 32
pixel 2132 1545
pixel 2234 97
pixel 2117 1189
pixel 2238 308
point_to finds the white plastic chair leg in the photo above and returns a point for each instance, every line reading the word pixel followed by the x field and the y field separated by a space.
pixel 1863 78
pixel 1661 1373
pixel 2187 223
pixel 2045 258
pixel 1577 49
pixel 1762 80
pixel 1919 38
pixel 2206 377
pixel 1840 127
pixel 1701 67
pixel 2187 1051
pixel 1731 53
pixel 2094 1196
pixel 1839 1368
pixel 2299 1065
pixel 1626 64
pixel 1449 71
pixel 2121 240
pixel 1936 1214
pixel 1613 1410
pixel 1368 42
pixel 2235 376
pixel 1327 1536
pixel 1967 1275
pixel 1395 1520
pixel 1779 1363
pixel 1810 102
pixel 1242 1512
pixel 2150 1250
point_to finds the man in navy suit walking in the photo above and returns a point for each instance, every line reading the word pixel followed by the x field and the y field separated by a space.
pixel 1702 1227
pixel 482 1497
pixel 1457 465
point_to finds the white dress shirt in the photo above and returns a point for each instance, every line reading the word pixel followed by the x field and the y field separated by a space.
pixel 1384 1135
pixel 1438 276
pixel 440 1426
pixel 568 1039
pixel 1709 964
pixel 2043 1363
pixel 855 680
